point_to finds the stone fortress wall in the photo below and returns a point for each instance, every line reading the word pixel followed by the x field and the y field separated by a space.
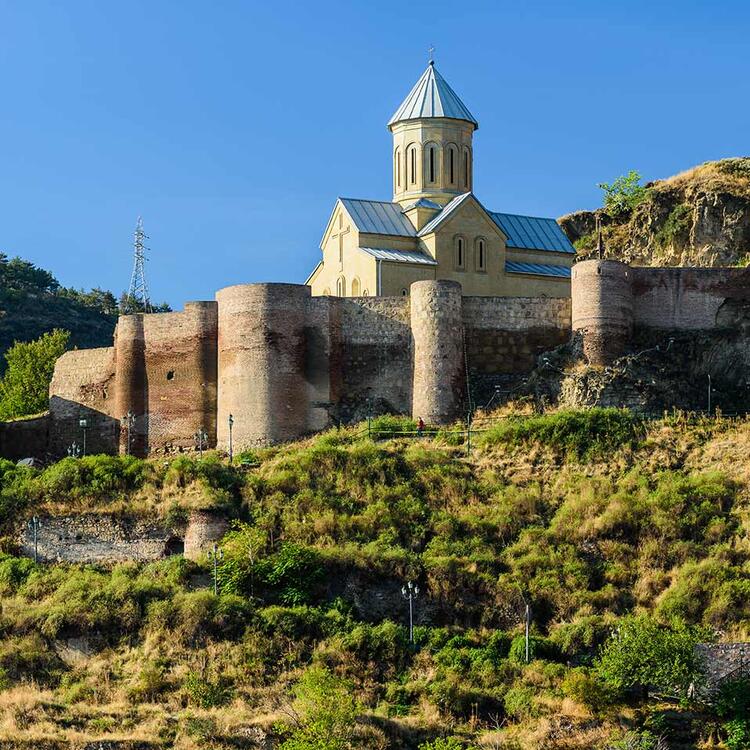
pixel 611 301
pixel 286 364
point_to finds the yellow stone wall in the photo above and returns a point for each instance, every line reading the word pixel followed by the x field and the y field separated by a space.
pixel 444 134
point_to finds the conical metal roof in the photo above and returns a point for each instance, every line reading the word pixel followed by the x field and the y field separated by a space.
pixel 432 97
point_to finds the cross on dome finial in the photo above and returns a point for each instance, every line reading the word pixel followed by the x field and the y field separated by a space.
pixel 430 51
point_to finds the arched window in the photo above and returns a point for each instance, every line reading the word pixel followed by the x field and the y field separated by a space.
pixel 404 292
pixel 397 168
pixel 460 253
pixel 341 287
pixel 467 169
pixel 355 287
pixel 432 163
pixel 411 164
pixel 480 254
pixel 327 292
pixel 365 293
pixel 451 164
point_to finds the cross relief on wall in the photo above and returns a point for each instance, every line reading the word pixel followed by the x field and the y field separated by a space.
pixel 340 237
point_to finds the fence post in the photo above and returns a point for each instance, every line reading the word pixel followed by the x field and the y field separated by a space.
pixel 468 433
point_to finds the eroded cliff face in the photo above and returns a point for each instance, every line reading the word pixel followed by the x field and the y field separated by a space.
pixel 698 218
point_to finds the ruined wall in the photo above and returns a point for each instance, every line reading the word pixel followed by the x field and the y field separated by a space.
pixel 719 660
pixel 97 538
pixel 203 530
pixel 686 298
pixel 507 334
pixel 24 438
pixel 83 385
pixel 439 385
pixel 375 355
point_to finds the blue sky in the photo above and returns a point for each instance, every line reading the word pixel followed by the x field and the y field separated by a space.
pixel 231 127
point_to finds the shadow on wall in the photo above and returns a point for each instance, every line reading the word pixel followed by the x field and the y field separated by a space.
pixel 24 438
pixel 72 424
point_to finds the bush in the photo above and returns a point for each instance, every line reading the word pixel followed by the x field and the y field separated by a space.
pixel 582 434
pixel 539 648
pixel 389 425
pixel 292 573
pixel 583 686
pixel 624 194
pixel 443 743
pixel 519 702
pixel 206 693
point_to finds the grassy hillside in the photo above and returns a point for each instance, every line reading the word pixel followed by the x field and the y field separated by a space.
pixel 587 517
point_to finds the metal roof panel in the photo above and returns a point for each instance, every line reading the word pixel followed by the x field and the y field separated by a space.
pixel 431 96
pixel 537 269
pixel 379 217
pixel 533 233
pixel 400 256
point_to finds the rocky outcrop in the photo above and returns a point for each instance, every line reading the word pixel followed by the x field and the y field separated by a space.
pixel 698 218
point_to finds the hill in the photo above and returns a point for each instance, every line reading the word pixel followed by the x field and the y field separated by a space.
pixel 588 517
pixel 700 217
pixel 32 302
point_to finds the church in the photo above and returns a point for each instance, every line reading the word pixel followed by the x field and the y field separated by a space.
pixel 435 227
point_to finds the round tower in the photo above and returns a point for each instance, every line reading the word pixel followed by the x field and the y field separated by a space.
pixel 439 380
pixel 432 143
pixel 130 382
pixel 602 298
pixel 261 364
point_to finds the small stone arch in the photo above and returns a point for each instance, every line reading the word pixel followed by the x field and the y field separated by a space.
pixel 341 287
pixel 356 286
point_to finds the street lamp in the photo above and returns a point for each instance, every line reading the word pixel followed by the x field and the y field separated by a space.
pixel 74 450
pixel 200 437
pixel 34 525
pixel 410 592
pixel 129 422
pixel 709 394
pixel 216 554
pixel 83 424
pixel 231 423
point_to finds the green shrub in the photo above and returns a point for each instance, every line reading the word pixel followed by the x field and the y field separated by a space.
pixel 291 574
pixel 443 743
pixel 13 572
pixel 539 648
pixel 583 686
pixel 624 194
pixel 206 693
pixel 582 434
pixel 388 426
pixel 519 702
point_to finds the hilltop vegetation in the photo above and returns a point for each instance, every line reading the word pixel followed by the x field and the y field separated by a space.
pixel 309 630
pixel 700 217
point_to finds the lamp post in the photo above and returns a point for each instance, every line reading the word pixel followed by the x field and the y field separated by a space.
pixel 34 525
pixel 129 421
pixel 83 424
pixel 200 437
pixel 231 451
pixel 410 592
pixel 709 394
pixel 216 554
pixel 74 450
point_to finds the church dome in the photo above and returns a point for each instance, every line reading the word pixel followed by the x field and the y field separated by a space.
pixel 432 97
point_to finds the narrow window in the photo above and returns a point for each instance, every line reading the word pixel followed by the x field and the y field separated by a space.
pixel 481 259
pixel 341 287
pixel 398 168
pixel 404 293
pixel 460 252
pixel 453 167
pixel 432 164
pixel 413 165
pixel 466 169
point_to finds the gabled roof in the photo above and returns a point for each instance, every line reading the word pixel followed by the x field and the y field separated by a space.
pixel 400 256
pixel 432 97
pixel 434 223
pixel 533 233
pixel 537 269
pixel 379 217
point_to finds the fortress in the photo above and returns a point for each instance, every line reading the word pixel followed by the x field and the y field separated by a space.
pixel 459 294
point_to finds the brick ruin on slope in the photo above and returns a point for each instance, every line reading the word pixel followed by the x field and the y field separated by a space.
pixel 286 364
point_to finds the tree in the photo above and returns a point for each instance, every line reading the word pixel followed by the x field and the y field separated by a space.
pixel 324 713
pixel 642 653
pixel 24 388
pixel 624 194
